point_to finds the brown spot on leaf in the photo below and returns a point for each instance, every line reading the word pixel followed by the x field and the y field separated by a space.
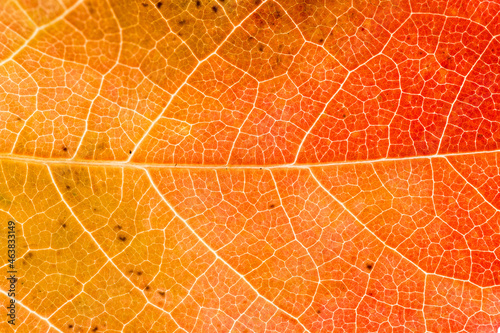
pixel 162 293
pixel 117 227
pixel 272 205
pixel 64 148
pixel 139 273
pixel 147 287
pixel 91 8
pixel 198 4
pixel 215 9
pixel 122 238
pixel 159 4
pixel 64 225
pixel 70 326
pixel 369 266
pixel 144 4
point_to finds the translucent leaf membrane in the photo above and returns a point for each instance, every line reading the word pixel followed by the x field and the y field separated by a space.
pixel 251 166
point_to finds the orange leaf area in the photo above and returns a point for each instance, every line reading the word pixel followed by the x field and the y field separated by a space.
pixel 250 166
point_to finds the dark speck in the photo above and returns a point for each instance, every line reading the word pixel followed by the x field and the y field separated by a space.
pixel 257 2
pixel 68 187
pixel 144 4
pixel 198 4
pixel 122 238
pixel 118 227
pixel 261 48
pixel 148 287
pixel 321 41
pixel 64 225
pixel 29 255
pixel 182 22
pixel 369 266
pixel 91 9
pixel 70 326
pixel 214 8
pixel 272 205
pixel 343 115
pixel 95 329
pixel 139 273
pixel 130 151
pixel 159 4
pixel 162 293
pixel 64 148
pixel 318 311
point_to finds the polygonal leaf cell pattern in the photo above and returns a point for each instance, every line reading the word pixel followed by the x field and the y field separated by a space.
pixel 250 165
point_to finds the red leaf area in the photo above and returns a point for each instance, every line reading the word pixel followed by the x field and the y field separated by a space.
pixel 266 166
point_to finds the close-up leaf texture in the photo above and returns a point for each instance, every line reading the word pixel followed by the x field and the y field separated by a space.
pixel 250 166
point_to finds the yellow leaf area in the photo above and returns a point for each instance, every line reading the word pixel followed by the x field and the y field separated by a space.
pixel 250 166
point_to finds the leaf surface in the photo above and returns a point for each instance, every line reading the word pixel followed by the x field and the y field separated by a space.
pixel 251 166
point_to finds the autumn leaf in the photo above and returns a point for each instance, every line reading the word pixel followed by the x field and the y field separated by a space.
pixel 250 165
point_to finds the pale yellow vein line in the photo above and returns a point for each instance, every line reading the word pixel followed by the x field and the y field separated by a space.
pixel 387 246
pixel 241 276
pixel 104 252
pixel 103 78
pixel 40 28
pixel 121 164
pixel 467 182
pixel 318 282
pixel 155 121
pixel 460 91
pixel 242 314
pixel 33 312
